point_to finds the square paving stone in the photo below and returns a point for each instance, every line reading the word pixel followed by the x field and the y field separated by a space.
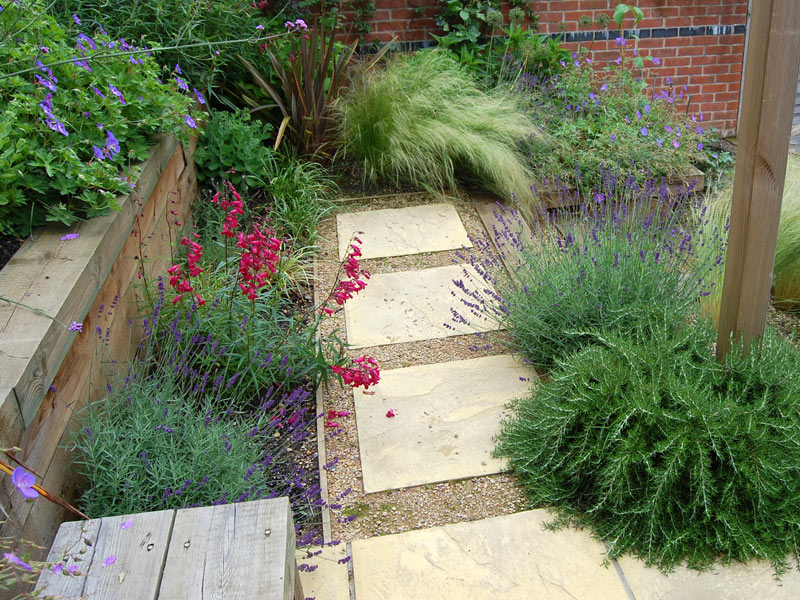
pixel 329 580
pixel 402 231
pixel 750 581
pixel 446 417
pixel 409 306
pixel 509 557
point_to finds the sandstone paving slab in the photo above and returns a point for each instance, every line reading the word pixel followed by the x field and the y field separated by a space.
pixel 751 581
pixel 409 306
pixel 330 580
pixel 509 557
pixel 403 231
pixel 446 417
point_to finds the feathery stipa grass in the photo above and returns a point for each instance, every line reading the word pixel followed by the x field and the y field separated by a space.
pixel 423 120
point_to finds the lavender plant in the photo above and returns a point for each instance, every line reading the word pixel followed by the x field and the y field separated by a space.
pixel 167 435
pixel 71 123
pixel 625 264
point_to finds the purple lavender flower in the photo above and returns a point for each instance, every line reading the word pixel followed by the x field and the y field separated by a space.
pixel 75 326
pixel 98 92
pixel 76 19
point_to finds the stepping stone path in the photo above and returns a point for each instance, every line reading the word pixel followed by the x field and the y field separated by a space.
pixel 412 306
pixel 445 416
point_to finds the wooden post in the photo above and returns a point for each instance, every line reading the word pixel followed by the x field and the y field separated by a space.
pixel 772 62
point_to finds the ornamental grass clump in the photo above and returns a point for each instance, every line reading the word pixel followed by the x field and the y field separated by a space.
pixel 423 120
pixel 627 262
pixel 786 272
pixel 664 452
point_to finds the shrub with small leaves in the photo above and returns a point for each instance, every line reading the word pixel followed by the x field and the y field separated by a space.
pixel 663 451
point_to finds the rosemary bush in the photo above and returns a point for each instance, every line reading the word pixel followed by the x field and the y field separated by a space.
pixel 663 451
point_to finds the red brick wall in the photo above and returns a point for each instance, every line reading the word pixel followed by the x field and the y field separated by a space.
pixel 709 64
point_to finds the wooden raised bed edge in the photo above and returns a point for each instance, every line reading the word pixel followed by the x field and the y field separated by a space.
pixel 91 280
pixel 552 198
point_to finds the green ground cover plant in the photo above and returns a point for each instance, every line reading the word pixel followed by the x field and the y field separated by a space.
pixel 609 119
pixel 423 120
pixel 72 123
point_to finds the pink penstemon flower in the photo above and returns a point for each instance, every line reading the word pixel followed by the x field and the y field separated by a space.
pixel 362 372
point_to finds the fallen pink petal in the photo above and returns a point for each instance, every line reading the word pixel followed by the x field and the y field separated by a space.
pixel 390 413
pixel 127 524
pixel 109 560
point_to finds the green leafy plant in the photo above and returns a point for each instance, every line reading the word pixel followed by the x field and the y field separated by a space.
pixel 292 191
pixel 664 452
pixel 234 143
pixel 610 120
pixel 465 21
pixel 74 111
pixel 424 120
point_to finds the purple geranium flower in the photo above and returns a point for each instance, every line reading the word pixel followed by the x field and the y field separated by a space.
pixel 643 131
pixel 13 558
pixel 621 41
pixel 24 483
pixel 117 93
pixel 112 144
pixel 182 84
pixel 199 96
pixel 76 19
pixel 190 121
